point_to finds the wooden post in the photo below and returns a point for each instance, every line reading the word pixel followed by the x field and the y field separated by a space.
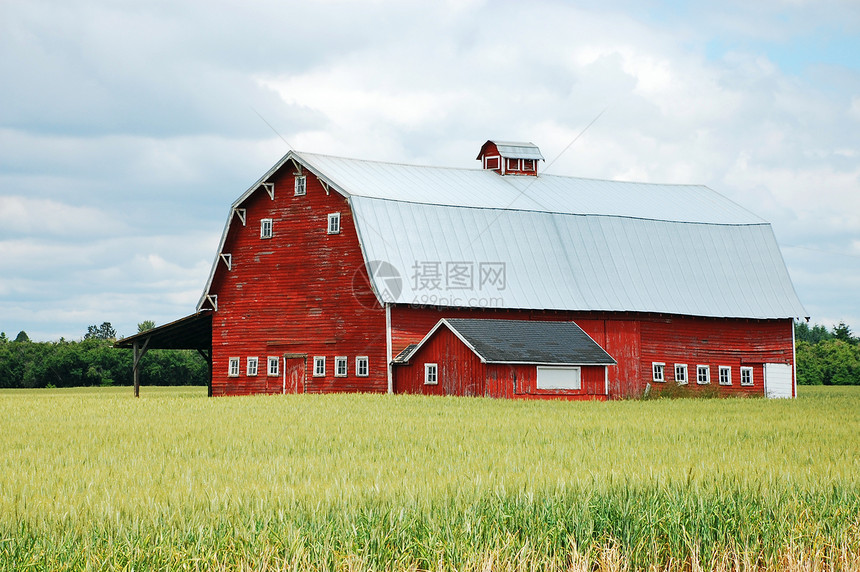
pixel 208 357
pixel 138 353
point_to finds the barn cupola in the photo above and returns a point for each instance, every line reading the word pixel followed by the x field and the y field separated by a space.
pixel 510 157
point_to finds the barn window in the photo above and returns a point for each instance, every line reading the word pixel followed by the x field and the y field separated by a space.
pixel 528 164
pixel 725 375
pixel 513 164
pixel 559 378
pixel 233 370
pixel 361 366
pixel 301 185
pixel 431 374
pixel 340 366
pixel 746 376
pixel 319 366
pixel 252 366
pixel 657 372
pixel 334 223
pixel 274 362
pixel 703 374
pixel 492 162
pixel 266 228
pixel 681 373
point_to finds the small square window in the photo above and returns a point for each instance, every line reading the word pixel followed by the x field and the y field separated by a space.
pixel 274 365
pixel 266 228
pixel 528 164
pixel 493 162
pixel 340 366
pixel 252 366
pixel 334 223
pixel 681 373
pixel 725 375
pixel 361 366
pixel 431 374
pixel 657 372
pixel 233 371
pixel 513 164
pixel 703 374
pixel 301 185
pixel 319 366
pixel 746 376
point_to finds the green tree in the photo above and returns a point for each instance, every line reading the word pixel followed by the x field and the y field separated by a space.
pixel 145 325
pixel 103 332
pixel 22 337
pixel 3 338
pixel 843 332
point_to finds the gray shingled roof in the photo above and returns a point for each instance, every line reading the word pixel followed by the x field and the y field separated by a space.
pixel 523 341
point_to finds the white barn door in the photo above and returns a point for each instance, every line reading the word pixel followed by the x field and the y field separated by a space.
pixel 777 380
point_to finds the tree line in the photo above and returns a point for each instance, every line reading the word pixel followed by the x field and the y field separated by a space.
pixel 93 361
pixel 824 357
pixel 827 357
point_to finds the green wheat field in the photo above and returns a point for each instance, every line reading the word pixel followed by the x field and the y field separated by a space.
pixel 92 479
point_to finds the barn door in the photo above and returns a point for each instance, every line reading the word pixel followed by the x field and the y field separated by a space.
pixel 777 380
pixel 294 373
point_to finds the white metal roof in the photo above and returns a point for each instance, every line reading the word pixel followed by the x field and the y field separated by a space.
pixel 517 150
pixel 554 242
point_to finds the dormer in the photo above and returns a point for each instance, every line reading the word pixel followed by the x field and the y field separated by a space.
pixel 510 157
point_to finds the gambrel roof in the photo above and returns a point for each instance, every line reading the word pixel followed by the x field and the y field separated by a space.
pixel 472 237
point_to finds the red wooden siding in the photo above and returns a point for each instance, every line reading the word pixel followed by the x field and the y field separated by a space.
pixel 293 294
pixel 637 340
pixel 462 373
pixel 701 341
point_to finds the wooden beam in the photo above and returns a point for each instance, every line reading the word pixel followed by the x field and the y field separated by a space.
pixel 207 355
pixel 138 353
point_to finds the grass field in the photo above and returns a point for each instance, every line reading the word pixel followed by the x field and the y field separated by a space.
pixel 92 479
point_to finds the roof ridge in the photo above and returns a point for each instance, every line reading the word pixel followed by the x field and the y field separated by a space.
pixel 532 210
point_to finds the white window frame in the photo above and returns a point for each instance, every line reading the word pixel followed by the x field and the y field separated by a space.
pixel 362 366
pixel 514 165
pixel 493 162
pixel 340 367
pixel 707 370
pixel 682 367
pixel 559 378
pixel 528 164
pixel 319 366
pixel 431 374
pixel 747 370
pixel 658 372
pixel 334 223
pixel 274 367
pixel 301 186
pixel 253 366
pixel 728 377
pixel 233 367
pixel 266 228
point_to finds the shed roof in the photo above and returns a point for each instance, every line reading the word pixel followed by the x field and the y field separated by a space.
pixel 555 242
pixel 525 342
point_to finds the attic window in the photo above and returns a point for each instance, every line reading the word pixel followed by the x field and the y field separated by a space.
pixel 334 223
pixel 493 162
pixel 301 185
pixel 528 164
pixel 266 228
pixel 514 165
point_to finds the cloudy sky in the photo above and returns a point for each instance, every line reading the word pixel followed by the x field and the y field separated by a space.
pixel 128 127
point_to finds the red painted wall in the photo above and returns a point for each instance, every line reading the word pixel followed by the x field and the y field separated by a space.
pixel 637 340
pixel 294 294
pixel 462 373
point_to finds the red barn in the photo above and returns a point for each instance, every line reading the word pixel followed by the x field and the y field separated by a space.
pixel 328 268
pixel 505 358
